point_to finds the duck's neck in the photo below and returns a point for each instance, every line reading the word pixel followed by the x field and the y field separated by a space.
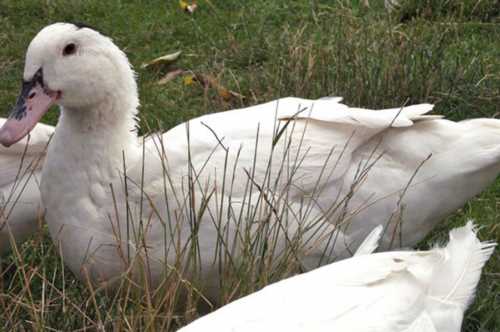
pixel 98 136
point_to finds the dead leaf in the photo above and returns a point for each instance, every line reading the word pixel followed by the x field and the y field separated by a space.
pixel 170 76
pixel 224 93
pixel 208 81
pixel 166 60
pixel 232 94
pixel 183 4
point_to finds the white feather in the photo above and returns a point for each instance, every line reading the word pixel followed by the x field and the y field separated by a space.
pixel 370 243
pixel 460 271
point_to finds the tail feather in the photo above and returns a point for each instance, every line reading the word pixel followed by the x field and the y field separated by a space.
pixel 417 110
pixel 370 243
pixel 457 276
pixel 332 99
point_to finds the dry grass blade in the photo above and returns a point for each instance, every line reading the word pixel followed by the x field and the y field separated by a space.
pixel 171 75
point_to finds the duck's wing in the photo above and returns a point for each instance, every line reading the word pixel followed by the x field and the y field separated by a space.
pixel 20 167
pixel 252 134
pixel 281 145
pixel 244 139
pixel 321 110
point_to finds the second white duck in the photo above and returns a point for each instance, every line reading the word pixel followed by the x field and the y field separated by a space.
pixel 20 205
pixel 406 291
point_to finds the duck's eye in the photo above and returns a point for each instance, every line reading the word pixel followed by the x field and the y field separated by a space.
pixel 69 49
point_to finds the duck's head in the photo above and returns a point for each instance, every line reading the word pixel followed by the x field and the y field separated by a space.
pixel 70 65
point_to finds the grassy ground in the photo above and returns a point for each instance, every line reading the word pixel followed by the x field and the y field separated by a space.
pixel 429 51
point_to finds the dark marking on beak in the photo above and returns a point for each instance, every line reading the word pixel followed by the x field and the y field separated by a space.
pixel 19 111
pixel 33 102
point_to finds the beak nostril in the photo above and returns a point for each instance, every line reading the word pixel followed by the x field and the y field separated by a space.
pixel 32 95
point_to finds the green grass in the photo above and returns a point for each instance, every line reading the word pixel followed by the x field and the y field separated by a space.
pixel 444 52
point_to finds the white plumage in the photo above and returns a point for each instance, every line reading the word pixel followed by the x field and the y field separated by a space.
pixel 405 291
pixel 20 167
pixel 335 171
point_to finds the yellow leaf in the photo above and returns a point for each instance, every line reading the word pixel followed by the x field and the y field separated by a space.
pixel 188 79
pixel 183 4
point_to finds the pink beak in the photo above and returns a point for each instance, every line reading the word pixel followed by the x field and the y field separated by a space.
pixel 33 102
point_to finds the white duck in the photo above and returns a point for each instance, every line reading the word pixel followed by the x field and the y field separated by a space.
pixel 405 291
pixel 20 167
pixel 334 172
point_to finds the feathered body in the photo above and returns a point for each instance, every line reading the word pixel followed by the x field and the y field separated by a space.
pixel 335 171
pixel 406 291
